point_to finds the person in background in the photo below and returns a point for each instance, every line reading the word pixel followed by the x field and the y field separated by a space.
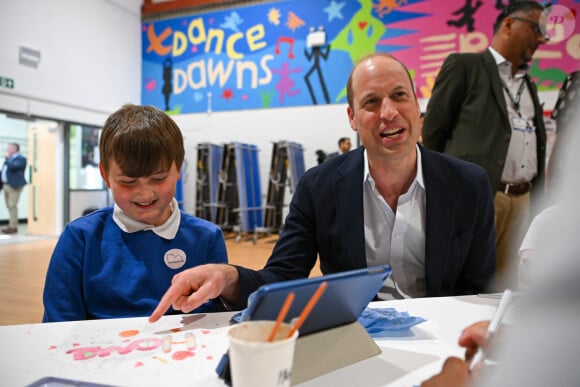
pixel 390 201
pixel 320 156
pixel 343 147
pixel 13 182
pixel 119 261
pixel 485 109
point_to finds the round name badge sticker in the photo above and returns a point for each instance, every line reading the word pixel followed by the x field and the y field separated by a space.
pixel 557 23
pixel 175 258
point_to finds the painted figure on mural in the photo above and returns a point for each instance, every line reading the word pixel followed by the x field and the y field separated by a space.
pixel 317 41
pixel 467 12
pixel 384 7
pixel 167 85
pixel 286 85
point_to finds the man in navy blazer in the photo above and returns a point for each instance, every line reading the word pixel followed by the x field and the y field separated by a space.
pixel 326 219
pixel 393 202
pixel 13 181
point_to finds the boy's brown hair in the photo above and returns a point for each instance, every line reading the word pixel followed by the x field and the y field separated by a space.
pixel 141 139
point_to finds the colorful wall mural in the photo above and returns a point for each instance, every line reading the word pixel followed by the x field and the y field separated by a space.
pixel 300 52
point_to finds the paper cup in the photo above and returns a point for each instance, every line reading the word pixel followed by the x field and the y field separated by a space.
pixel 255 362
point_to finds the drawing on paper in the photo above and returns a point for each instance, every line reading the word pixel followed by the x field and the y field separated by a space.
pixel 114 348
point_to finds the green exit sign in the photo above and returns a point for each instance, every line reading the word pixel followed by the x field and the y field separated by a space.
pixel 7 83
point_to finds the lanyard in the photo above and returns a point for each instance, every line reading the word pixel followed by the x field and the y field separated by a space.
pixel 515 100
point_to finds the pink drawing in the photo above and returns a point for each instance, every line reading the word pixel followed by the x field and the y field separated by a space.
pixel 85 353
pixel 180 355
pixel 285 84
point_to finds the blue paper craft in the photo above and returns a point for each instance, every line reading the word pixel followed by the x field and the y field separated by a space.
pixel 388 322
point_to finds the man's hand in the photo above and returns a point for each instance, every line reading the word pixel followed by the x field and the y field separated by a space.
pixel 194 287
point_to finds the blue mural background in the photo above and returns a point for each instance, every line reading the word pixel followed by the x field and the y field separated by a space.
pixel 272 55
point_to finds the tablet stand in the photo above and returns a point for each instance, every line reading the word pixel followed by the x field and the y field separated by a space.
pixel 319 353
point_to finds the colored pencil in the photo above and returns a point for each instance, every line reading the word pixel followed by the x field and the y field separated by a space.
pixel 282 315
pixel 308 308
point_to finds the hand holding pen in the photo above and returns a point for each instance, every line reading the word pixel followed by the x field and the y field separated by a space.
pixel 476 338
pixel 492 329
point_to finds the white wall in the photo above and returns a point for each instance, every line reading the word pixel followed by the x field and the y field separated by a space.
pixel 90 57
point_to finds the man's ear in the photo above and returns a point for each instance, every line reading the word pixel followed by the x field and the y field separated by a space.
pixel 351 120
pixel 104 175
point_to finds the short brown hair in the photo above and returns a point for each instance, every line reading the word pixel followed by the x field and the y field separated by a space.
pixel 140 139
pixel 349 96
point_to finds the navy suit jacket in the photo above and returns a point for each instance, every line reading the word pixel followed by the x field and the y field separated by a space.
pixel 15 174
pixel 325 220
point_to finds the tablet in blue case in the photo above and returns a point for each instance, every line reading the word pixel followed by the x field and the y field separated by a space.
pixel 347 295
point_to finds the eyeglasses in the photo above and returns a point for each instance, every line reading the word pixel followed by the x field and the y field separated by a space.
pixel 535 26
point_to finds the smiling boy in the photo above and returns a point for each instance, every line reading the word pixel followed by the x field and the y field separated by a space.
pixel 118 261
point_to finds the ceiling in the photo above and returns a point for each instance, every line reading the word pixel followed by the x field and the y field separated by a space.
pixel 152 8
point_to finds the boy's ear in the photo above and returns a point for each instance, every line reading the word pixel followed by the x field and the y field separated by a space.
pixel 104 175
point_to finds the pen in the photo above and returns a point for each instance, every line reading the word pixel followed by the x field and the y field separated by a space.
pixel 493 325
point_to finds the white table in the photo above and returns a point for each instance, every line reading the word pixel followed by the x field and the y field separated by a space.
pixel 130 352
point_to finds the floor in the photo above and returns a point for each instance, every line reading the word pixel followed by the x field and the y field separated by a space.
pixel 24 260
pixel 20 237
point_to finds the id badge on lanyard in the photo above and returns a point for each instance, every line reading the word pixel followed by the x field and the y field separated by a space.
pixel 522 125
